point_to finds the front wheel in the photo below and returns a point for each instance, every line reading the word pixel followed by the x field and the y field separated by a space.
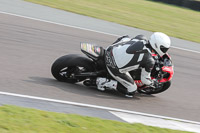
pixel 151 90
pixel 66 67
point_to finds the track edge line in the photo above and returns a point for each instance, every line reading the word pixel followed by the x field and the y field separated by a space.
pixel 97 107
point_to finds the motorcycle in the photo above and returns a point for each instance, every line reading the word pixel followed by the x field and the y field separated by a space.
pixel 73 68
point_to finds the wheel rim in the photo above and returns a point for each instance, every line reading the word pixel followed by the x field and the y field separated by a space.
pixel 150 90
pixel 69 72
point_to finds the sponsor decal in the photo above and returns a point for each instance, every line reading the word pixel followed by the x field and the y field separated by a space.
pixel 109 61
pixel 89 48
pixel 84 46
pixel 92 48
pixel 98 50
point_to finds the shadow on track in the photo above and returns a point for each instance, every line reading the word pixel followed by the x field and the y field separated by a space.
pixel 79 88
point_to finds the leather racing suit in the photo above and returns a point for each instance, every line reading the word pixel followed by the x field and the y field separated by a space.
pixel 126 55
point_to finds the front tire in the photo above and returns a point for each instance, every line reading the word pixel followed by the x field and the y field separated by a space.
pixel 65 68
pixel 150 91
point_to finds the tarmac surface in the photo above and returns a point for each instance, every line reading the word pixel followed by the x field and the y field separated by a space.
pixel 32 10
pixel 29 47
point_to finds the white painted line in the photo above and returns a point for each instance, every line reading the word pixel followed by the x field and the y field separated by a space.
pixel 157 122
pixel 186 49
pixel 98 107
pixel 83 28
pixel 51 22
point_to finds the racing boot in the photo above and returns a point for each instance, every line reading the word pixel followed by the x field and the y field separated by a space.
pixel 103 84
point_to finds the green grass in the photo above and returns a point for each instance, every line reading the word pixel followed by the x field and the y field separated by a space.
pixel 153 16
pixel 23 120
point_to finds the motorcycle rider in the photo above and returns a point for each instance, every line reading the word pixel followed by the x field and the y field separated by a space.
pixel 128 54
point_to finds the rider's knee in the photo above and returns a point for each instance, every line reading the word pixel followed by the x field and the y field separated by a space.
pixel 132 88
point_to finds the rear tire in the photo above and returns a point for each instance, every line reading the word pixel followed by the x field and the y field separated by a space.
pixel 65 67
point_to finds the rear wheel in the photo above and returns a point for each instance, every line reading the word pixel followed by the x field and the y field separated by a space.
pixel 151 90
pixel 66 67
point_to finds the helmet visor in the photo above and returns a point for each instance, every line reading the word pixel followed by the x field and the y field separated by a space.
pixel 163 49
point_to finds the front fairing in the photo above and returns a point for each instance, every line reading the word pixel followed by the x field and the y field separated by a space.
pixel 167 68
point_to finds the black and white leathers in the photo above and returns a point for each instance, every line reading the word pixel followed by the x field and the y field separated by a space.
pixel 127 55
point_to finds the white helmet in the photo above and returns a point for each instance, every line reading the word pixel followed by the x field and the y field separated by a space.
pixel 160 42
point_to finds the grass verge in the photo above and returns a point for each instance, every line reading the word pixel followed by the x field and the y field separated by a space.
pixel 144 14
pixel 15 119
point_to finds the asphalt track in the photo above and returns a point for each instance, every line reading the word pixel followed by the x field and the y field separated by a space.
pixel 29 47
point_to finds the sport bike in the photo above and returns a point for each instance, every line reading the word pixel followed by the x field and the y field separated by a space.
pixel 73 68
